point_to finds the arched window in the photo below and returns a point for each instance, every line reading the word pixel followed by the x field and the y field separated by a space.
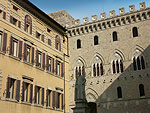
pixel 94 70
pixel 80 70
pixel 138 63
pixel 142 62
pixel 121 66
pixel 28 24
pixel 117 66
pixel 115 37
pixel 78 43
pixel 113 66
pixel 57 43
pixel 134 64
pixel 141 90
pixel 135 31
pixel 101 68
pixel 98 70
pixel 95 40
pixel 119 92
pixel 83 71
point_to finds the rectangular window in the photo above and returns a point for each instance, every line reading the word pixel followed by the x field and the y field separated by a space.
pixel 49 93
pixel 28 54
pixel 39 59
pixel 38 35
pixel 38 95
pixel 49 64
pixel 26 90
pixel 14 21
pixel 27 28
pixel 15 8
pixel 0 41
pixel 11 88
pixel 58 68
pixel 15 47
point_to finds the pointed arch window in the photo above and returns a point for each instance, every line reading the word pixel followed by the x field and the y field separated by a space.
pixel 141 90
pixel 78 43
pixel 121 66
pixel 101 69
pixel 115 37
pixel 138 63
pixel 142 62
pixel 119 92
pixel 83 70
pixel 98 70
pixel 58 43
pixel 114 67
pixel 95 40
pixel 94 70
pixel 135 32
pixel 134 64
pixel 117 66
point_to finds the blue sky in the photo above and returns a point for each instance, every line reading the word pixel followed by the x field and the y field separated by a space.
pixel 86 8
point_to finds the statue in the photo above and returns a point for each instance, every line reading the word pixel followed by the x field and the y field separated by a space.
pixel 80 88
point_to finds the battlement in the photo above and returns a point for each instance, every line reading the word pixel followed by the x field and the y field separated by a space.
pixel 142 6
pixel 114 20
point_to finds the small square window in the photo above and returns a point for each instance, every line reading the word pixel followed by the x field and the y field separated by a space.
pixel 15 8
pixel 48 30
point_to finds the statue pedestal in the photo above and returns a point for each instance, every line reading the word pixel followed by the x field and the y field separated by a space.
pixel 81 107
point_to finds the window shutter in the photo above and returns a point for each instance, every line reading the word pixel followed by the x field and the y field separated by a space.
pixel 18 90
pixel 53 65
pixel 53 103
pixel 56 67
pixel 11 19
pixel 4 42
pixel 47 64
pixel 35 91
pixel 37 58
pixel 23 84
pixel 31 92
pixel 8 86
pixel 55 43
pixel 4 15
pixel 62 101
pixel 25 52
pixel 49 42
pixel 44 61
pixel 42 101
pixel 60 46
pixel 19 24
pixel 62 69
pixel 42 38
pixel 31 28
pixel 47 93
pixel 11 45
pixel 25 27
pixel 36 34
pixel 20 50
pixel 32 61
pixel 56 100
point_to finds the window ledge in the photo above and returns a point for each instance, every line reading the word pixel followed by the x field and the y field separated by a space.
pixel 28 63
pixel 11 100
pixel 16 58
pixel 27 103
pixel 120 98
pixel 142 97
pixel 39 68
pixel 58 109
pixel 1 52
pixel 38 105
pixel 49 108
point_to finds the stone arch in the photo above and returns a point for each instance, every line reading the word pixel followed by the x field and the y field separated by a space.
pixel 99 56
pixel 91 95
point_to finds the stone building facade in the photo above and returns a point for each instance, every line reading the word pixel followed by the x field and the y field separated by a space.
pixel 33 60
pixel 113 54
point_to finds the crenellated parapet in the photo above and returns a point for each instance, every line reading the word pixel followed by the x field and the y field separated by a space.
pixel 112 21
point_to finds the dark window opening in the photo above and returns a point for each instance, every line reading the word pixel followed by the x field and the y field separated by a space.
pixel 113 66
pixel 117 66
pixel 96 40
pixel 119 92
pixel 97 69
pixel 134 64
pixel 142 62
pixel 141 90
pixel 121 66
pixel 135 32
pixel 138 63
pixel 94 70
pixel 115 38
pixel 15 8
pixel 78 44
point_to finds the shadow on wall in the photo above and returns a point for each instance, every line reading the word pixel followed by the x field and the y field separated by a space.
pixel 129 92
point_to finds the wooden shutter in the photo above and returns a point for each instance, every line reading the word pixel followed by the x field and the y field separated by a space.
pixel 8 86
pixel 42 38
pixel 42 101
pixel 23 85
pixel 53 102
pixel 37 58
pixel 20 50
pixel 32 60
pixel 18 90
pixel 47 62
pixel 4 42
pixel 47 93
pixel 31 92
pixel 43 61
pixel 11 46
pixel 4 15
pixel 35 92
pixel 60 46
pixel 56 100
pixel 56 67
pixel 19 24
pixel 62 69
pixel 53 65
pixel 31 28
pixel 25 52
pixel 11 19
pixel 62 101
